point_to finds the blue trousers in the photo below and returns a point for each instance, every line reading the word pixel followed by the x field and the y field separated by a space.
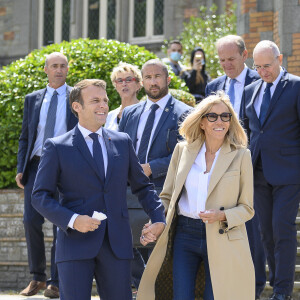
pixel 189 252
pixel 33 225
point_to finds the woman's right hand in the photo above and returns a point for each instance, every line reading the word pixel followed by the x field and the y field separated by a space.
pixel 212 215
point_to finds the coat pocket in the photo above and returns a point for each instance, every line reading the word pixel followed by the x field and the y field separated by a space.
pixel 235 234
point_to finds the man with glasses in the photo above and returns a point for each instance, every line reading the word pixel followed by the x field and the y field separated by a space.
pixel 153 124
pixel 232 54
pixel 272 118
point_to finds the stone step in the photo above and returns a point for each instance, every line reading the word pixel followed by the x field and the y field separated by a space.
pixel 268 291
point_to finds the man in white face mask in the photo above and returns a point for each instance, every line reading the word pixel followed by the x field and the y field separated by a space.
pixel 174 57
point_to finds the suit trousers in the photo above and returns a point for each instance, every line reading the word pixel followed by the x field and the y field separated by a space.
pixel 33 225
pixel 112 276
pixel 257 253
pixel 277 207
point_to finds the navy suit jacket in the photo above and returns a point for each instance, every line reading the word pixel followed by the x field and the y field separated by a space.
pixel 164 139
pixel 32 106
pixel 277 140
pixel 219 84
pixel 68 164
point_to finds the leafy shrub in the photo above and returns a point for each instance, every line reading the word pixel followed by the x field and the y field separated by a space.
pixel 204 30
pixel 183 96
pixel 87 59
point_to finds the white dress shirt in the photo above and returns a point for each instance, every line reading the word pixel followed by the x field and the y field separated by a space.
pixel 193 197
pixel 238 89
pixel 143 119
pixel 61 117
pixel 89 142
pixel 260 94
pixel 111 120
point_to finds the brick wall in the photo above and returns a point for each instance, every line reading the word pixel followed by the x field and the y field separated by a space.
pixel 294 59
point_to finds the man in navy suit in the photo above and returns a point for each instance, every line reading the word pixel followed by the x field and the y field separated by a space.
pixel 91 167
pixel 36 108
pixel 232 55
pixel 273 112
pixel 163 133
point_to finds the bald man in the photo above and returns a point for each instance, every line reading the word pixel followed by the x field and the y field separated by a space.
pixel 272 118
pixel 46 114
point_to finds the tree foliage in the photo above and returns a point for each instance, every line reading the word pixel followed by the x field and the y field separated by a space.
pixel 87 59
pixel 204 30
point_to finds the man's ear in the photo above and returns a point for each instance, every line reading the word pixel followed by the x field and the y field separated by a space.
pixel 76 106
pixel 169 80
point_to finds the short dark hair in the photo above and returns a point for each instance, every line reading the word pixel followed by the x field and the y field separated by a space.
pixel 175 42
pixel 75 95
pixel 156 62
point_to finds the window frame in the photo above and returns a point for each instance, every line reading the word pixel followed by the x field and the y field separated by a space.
pixel 149 37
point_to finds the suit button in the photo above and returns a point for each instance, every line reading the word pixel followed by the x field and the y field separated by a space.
pixel 261 131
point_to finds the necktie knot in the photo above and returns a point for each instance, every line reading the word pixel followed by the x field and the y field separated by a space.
pixel 154 107
pixel 94 136
pixel 55 93
pixel 269 84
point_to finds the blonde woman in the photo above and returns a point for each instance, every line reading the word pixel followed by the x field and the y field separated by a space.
pixel 127 80
pixel 203 252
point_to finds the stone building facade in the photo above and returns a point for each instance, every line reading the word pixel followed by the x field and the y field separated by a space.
pixel 29 24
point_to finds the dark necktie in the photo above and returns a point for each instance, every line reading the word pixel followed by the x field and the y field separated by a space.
pixel 97 154
pixel 265 103
pixel 230 92
pixel 146 134
pixel 51 118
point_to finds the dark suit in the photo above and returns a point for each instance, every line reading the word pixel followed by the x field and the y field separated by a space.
pixel 32 219
pixel 252 226
pixel 164 139
pixel 162 145
pixel 219 84
pixel 68 164
pixel 275 148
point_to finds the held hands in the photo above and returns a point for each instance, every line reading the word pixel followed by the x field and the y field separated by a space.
pixel 85 224
pixel 212 215
pixel 151 232
pixel 18 180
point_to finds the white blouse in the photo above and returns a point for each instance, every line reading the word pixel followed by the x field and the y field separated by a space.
pixel 111 120
pixel 193 198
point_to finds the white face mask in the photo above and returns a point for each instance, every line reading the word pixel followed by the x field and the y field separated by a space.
pixel 176 56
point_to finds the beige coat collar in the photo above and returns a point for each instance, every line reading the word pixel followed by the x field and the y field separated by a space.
pixel 189 154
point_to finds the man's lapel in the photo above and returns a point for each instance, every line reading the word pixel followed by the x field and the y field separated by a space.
pixel 138 112
pixel 37 107
pixel 253 98
pixel 279 89
pixel 168 110
pixel 68 114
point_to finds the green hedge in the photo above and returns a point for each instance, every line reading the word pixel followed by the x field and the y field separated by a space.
pixel 87 59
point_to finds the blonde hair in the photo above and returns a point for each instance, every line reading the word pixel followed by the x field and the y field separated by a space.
pixel 123 67
pixel 191 130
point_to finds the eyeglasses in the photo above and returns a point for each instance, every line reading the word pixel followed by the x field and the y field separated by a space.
pixel 126 80
pixel 213 117
pixel 264 67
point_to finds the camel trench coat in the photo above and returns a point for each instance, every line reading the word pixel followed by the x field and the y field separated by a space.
pixel 231 187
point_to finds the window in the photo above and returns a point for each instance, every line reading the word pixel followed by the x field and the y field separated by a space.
pixel 146 21
pixel 54 21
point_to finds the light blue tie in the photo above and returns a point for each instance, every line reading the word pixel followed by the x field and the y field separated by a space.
pixel 265 103
pixel 51 118
pixel 230 92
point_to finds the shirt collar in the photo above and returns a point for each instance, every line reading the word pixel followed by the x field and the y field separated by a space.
pixel 275 82
pixel 241 77
pixel 60 91
pixel 85 132
pixel 161 102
